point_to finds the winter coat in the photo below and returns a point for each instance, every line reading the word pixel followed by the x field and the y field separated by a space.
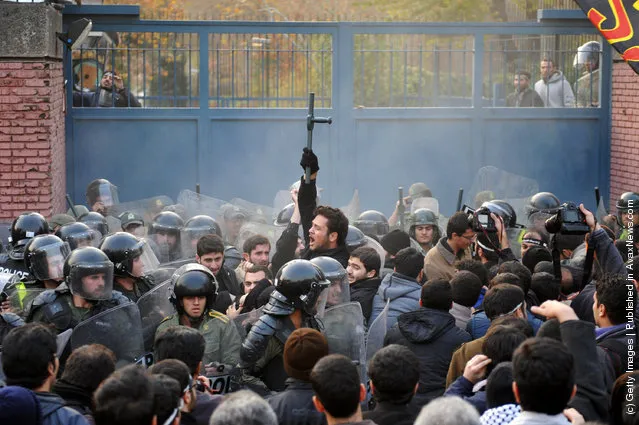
pixel 461 314
pixel 227 281
pixel 556 91
pixel 391 414
pixel 615 341
pixel 524 99
pixel 79 399
pixel 458 362
pixel 404 294
pixel 54 411
pixel 479 324
pixel 294 406
pixel 433 337
pixel 363 291
pixel 463 388
pixel 438 263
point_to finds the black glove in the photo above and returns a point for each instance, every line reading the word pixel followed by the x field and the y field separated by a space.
pixel 309 159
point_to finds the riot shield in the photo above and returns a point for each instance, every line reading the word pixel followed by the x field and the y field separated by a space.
pixel 119 329
pixel 281 200
pixel 344 330
pixel 257 213
pixel 512 188
pixel 197 204
pixel 146 208
pixel 376 333
pixel 154 306
pixel 161 274
pixel 244 321
pixel 4 279
pixel 20 300
pixel 268 230
pixel 377 247
pixel 352 210
pixel 428 203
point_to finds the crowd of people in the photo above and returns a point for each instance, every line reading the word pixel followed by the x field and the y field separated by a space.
pixel 111 318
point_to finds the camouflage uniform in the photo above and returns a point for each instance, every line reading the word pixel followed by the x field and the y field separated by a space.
pixel 587 91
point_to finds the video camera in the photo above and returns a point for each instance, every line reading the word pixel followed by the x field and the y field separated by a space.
pixel 568 220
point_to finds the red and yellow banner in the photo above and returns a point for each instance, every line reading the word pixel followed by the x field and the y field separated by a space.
pixel 616 20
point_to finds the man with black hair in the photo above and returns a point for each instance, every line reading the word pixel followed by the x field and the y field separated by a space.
pixel 438 263
pixel 535 255
pixel 523 96
pixel 501 406
pixel 544 381
pixel 498 347
pixel 431 334
pixel 255 252
pixel 394 379
pixel 615 334
pixel 525 277
pixel 338 391
pixel 187 345
pixel 402 287
pixel 363 277
pixel 486 249
pixel 85 369
pixel 125 398
pixel 466 288
pixel 567 244
pixel 325 228
pixel 545 287
pixel 29 360
pixel 210 253
pixel 178 371
pixel 167 399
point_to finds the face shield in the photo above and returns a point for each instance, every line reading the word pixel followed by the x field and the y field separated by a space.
pixel 47 263
pixel 92 281
pixel 189 238
pixel 146 262
pixel 339 290
pixel 318 308
pixel 107 194
pixel 80 240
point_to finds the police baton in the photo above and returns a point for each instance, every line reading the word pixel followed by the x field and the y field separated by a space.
pixel 71 206
pixel 401 209
pixel 311 119
pixel 460 196
pixel 597 196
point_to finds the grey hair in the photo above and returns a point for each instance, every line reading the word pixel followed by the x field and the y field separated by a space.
pixel 244 408
pixel 448 411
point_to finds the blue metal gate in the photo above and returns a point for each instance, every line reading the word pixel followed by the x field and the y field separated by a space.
pixel 410 102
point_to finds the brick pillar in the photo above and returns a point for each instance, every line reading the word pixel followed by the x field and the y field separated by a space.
pixel 32 138
pixel 624 143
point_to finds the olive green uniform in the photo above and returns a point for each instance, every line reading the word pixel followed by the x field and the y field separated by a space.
pixel 587 91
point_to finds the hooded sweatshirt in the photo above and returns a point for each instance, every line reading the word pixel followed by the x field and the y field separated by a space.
pixel 403 293
pixel 432 335
pixel 556 91
pixel 54 411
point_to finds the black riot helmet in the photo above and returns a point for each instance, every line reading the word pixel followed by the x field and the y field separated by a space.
pixel 193 280
pixel 123 249
pixel 95 221
pixel 355 238
pixel 300 284
pixel 372 223
pixel 587 54
pixel 45 255
pixel 102 190
pixel 201 225
pixel 166 222
pixel 24 227
pixel 78 235
pixel 423 217
pixel 504 210
pixel 543 202
pixel 284 216
pixel 627 200
pixel 89 274
pixel 339 291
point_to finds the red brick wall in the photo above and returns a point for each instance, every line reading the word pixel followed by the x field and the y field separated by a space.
pixel 32 139
pixel 624 158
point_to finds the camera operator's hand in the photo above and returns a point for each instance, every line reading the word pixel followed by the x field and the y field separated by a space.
pixel 502 237
pixel 590 219
pixel 555 310
pixel 309 159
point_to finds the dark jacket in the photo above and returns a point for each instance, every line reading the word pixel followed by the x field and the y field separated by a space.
pixel 285 247
pixel 463 388
pixel 227 281
pixel 391 414
pixel 433 337
pixel 363 291
pixel 79 399
pixel 524 99
pixel 615 342
pixel 122 99
pixel 591 399
pixel 205 405
pixel 294 406
pixel 403 293
pixel 54 411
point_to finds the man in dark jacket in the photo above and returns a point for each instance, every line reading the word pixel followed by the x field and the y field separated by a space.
pixel 111 93
pixel 210 253
pixel 85 370
pixel 363 277
pixel 523 96
pixel 394 374
pixel 29 360
pixel 303 348
pixel 431 334
pixel 324 227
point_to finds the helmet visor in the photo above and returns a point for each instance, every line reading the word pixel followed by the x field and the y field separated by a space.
pixel 339 291
pixel 145 263
pixel 319 308
pixel 89 238
pixel 92 281
pixel 189 238
pixel 107 194
pixel 47 263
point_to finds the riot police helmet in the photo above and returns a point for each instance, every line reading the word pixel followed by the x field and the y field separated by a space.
pixel 193 280
pixel 300 283
pixel 419 190
pixel 339 291
pixel 354 238
pixel 423 217
pixel 166 222
pixel 372 223
pixel 96 221
pixel 543 202
pixel 78 235
pixel 504 210
pixel 26 226
pixel 131 256
pixel 102 190
pixel 44 256
pixel 587 54
pixel 627 201
pixel 284 216
pixel 89 274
